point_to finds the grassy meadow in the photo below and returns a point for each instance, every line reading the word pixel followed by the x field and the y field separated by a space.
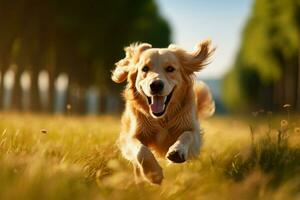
pixel 66 157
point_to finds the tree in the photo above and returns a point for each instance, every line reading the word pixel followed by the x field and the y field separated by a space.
pixel 83 38
pixel 267 65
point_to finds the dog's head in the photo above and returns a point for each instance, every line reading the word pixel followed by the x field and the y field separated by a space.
pixel 160 74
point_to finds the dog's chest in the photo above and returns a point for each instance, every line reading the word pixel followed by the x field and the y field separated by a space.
pixel 160 136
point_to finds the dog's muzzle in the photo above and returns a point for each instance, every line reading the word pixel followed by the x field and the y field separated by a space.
pixel 158 104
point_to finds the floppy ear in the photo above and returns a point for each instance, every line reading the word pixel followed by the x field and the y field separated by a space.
pixel 195 60
pixel 124 66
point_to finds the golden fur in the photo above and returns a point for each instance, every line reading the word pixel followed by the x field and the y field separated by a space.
pixel 175 132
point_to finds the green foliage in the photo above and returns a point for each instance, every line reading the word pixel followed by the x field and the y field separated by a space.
pixel 82 38
pixel 268 57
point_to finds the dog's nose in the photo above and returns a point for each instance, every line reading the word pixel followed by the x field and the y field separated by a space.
pixel 157 86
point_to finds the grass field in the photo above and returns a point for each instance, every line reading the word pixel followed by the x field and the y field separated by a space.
pixel 55 157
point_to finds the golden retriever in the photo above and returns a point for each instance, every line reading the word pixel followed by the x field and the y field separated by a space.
pixel 163 104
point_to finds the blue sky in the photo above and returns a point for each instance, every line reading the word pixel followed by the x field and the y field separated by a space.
pixel 221 21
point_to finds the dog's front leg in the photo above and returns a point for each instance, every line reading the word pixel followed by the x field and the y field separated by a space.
pixel 186 146
pixel 144 162
pixel 149 166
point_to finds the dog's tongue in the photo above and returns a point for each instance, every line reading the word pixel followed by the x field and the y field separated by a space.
pixel 158 104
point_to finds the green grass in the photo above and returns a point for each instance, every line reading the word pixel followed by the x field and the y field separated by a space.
pixel 55 157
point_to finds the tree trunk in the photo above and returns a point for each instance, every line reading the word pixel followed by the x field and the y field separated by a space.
pixel 17 94
pixel 290 84
pixel 51 93
pixel 35 103
pixel 298 79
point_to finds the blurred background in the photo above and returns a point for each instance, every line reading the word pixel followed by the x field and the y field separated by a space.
pixel 56 55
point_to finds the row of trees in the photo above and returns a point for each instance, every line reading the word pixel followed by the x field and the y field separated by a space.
pixel 266 72
pixel 82 38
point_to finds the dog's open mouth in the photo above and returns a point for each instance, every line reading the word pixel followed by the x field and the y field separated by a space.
pixel 158 104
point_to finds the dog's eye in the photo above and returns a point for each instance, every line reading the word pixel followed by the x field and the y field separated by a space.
pixel 170 69
pixel 145 69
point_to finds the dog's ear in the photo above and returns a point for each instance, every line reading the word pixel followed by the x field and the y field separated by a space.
pixel 194 61
pixel 124 66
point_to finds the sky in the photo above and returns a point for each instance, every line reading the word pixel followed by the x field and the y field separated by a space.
pixel 222 21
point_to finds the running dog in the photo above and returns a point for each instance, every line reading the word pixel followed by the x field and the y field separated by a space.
pixel 163 105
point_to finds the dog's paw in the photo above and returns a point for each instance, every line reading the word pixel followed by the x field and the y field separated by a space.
pixel 155 177
pixel 152 174
pixel 175 157
pixel 177 153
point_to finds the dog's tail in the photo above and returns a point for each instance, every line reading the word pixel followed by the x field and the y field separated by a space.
pixel 204 100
